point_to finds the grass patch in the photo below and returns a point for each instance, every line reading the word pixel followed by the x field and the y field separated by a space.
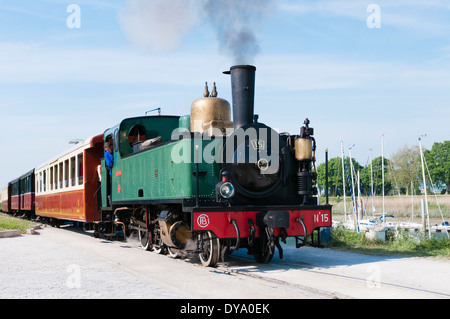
pixel 9 223
pixel 395 244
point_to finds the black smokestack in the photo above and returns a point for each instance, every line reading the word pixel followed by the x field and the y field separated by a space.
pixel 243 93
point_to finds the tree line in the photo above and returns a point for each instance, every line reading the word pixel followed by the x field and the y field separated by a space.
pixel 402 172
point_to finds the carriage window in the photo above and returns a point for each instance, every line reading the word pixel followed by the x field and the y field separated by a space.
pixel 45 180
pixel 25 186
pixel 60 174
pixel 66 173
pixel 72 171
pixel 55 176
pixel 51 178
pixel 80 169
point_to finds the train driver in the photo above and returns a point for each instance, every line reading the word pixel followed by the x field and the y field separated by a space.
pixel 109 157
pixel 109 161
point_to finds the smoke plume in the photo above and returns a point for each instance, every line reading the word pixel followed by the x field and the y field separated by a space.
pixel 161 25
pixel 237 22
pixel 158 24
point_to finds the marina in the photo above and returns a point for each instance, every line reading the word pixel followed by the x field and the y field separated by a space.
pixel 362 215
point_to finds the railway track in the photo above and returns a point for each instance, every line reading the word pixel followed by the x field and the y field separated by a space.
pixel 320 293
pixel 332 282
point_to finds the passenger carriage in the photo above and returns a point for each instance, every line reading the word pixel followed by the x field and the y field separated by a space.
pixel 27 193
pixel 6 198
pixel 66 186
pixel 15 197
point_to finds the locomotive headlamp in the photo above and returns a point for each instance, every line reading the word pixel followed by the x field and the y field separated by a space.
pixel 226 190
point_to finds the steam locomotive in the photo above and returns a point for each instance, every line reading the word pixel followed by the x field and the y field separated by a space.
pixel 193 184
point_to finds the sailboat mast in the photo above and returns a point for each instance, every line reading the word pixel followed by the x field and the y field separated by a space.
pixel 412 202
pixel 353 188
pixel 359 206
pixel 424 186
pixel 382 172
pixel 343 181
pixel 371 183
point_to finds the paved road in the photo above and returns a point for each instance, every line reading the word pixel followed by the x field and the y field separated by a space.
pixel 66 263
pixel 46 266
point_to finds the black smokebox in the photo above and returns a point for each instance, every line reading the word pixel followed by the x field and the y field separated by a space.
pixel 243 93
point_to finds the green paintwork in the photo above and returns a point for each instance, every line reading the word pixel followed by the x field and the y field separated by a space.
pixel 163 171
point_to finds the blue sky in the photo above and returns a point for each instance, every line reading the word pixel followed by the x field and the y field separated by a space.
pixel 315 59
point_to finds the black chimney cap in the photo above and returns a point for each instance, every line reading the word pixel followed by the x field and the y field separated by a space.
pixel 243 66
